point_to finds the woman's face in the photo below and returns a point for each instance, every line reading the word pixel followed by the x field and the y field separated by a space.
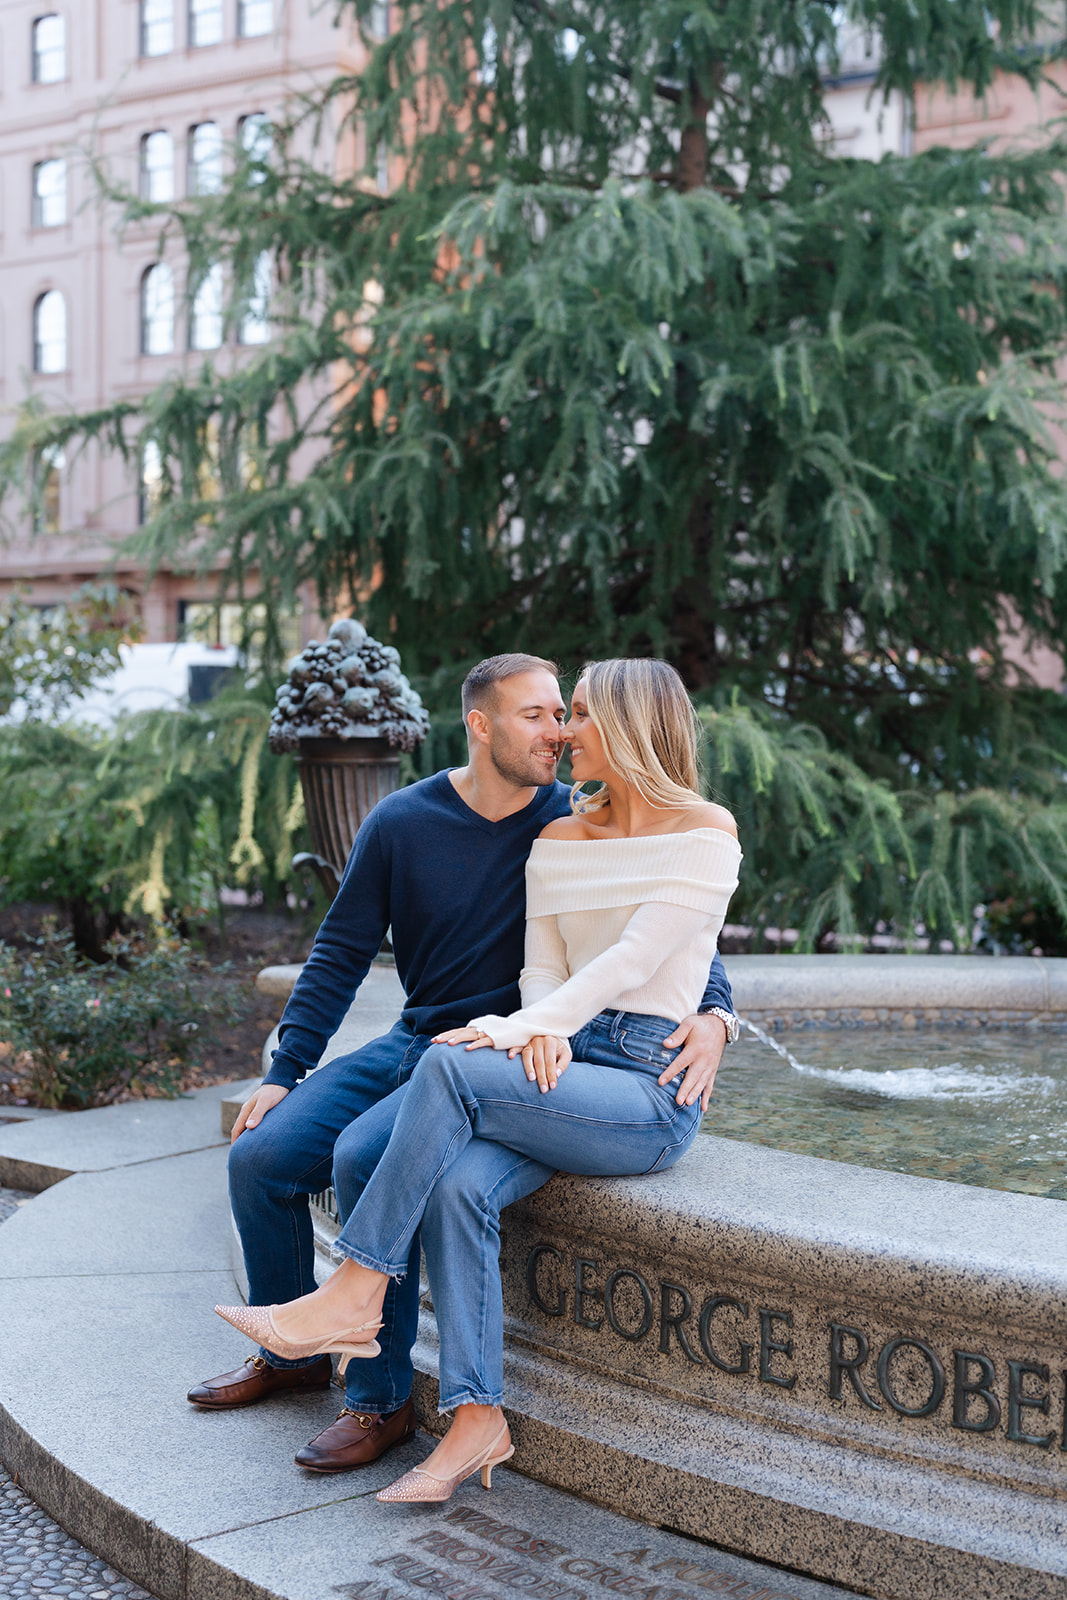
pixel 588 760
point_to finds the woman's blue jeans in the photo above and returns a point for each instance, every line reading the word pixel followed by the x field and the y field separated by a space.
pixel 468 1133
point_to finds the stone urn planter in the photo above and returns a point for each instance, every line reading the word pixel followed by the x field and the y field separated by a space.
pixel 345 711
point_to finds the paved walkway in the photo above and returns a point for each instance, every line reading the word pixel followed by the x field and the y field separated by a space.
pixel 37 1558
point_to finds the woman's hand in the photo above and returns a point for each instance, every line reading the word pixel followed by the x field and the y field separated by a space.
pixel 473 1038
pixel 545 1059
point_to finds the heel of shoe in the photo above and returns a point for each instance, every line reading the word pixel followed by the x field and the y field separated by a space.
pixel 362 1352
pixel 487 1470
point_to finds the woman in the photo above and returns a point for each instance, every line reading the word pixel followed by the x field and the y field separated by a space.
pixel 625 900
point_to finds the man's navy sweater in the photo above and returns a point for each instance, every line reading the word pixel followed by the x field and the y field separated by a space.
pixel 452 887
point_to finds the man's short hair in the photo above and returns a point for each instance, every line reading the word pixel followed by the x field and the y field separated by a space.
pixel 479 686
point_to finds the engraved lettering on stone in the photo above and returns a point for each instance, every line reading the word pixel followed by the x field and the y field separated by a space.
pixel 536 1253
pixel 584 1291
pixel 1019 1400
pixel 769 1347
pixel 978 1386
pixel 498 1568
pixel 744 1356
pixel 672 1317
pixel 624 1275
pixel 844 1365
pixel 908 1371
pixel 503 1533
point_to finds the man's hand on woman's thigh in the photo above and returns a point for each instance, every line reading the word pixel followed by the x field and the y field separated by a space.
pixel 703 1040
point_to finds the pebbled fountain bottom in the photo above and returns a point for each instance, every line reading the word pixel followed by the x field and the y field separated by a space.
pixel 989 1111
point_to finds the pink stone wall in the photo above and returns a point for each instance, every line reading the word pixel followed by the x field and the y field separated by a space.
pixel 108 100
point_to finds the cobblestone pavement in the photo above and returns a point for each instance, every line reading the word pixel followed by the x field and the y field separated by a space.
pixel 37 1559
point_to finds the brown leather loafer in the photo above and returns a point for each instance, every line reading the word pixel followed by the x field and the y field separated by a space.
pixel 256 1380
pixel 356 1439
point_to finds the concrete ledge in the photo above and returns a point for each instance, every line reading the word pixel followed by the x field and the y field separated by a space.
pixel 868 988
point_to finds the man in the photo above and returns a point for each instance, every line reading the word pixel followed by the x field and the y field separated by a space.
pixel 442 864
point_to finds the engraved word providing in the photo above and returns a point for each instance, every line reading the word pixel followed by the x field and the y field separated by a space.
pixel 907 1373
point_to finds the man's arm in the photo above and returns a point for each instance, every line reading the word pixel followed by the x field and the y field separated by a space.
pixel 347 942
pixel 717 992
pixel 702 1039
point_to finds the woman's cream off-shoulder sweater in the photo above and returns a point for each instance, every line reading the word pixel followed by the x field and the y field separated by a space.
pixel 621 924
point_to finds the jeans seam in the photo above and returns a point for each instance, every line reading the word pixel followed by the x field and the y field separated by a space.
pixel 593 1122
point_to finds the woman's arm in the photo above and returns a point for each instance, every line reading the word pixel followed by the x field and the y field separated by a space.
pixel 545 968
pixel 653 934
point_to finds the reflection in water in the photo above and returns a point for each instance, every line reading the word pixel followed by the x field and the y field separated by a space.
pixel 981 1108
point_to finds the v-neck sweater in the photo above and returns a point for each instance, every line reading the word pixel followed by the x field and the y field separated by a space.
pixel 450 885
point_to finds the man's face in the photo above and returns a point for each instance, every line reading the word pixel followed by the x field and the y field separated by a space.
pixel 525 728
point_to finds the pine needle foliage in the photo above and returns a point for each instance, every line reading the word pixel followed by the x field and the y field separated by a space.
pixel 628 362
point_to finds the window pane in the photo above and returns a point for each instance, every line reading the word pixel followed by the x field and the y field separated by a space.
pixel 255 324
pixel 379 19
pixel 205 159
pixel 51 463
pixel 381 167
pixel 205 324
pixel 256 142
pixel 50 333
pixel 157 27
pixel 49 194
pixel 151 486
pixel 205 21
pixel 157 311
pixel 157 166
pixel 257 17
pixel 49 49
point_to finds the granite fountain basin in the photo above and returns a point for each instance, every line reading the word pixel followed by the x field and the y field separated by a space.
pixel 856 1374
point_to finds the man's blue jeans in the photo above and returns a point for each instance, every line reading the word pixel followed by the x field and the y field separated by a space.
pixel 289 1156
pixel 466 1135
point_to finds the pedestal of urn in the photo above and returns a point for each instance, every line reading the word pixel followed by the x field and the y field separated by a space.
pixel 342 780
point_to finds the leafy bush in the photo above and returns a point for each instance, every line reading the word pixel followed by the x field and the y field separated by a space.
pixel 148 819
pixel 830 849
pixel 82 1035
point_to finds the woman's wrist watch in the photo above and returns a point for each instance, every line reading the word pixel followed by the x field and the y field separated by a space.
pixel 728 1020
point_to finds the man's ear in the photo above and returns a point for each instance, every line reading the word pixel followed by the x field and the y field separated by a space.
pixel 478 726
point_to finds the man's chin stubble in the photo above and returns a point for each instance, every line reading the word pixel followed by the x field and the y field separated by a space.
pixel 531 777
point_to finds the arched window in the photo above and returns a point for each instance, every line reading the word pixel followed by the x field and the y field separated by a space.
pixel 157 27
pixel 157 311
pixel 157 166
pixel 205 324
pixel 50 193
pixel 255 17
pixel 150 487
pixel 257 141
pixel 49 49
pixel 205 22
pixel 205 158
pixel 50 333
pixel 254 327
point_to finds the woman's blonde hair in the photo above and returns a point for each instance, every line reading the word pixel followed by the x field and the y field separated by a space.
pixel 649 728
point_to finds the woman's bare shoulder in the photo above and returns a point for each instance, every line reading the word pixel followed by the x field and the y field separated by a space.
pixel 710 815
pixel 565 828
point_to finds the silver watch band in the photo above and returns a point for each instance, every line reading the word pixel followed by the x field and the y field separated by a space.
pixel 728 1020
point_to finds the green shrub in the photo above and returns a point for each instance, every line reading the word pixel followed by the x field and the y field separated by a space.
pixel 82 1035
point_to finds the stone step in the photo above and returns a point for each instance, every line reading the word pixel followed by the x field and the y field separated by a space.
pixel 109 1276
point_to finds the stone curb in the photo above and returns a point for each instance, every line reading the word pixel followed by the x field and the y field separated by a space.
pixel 123 1262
